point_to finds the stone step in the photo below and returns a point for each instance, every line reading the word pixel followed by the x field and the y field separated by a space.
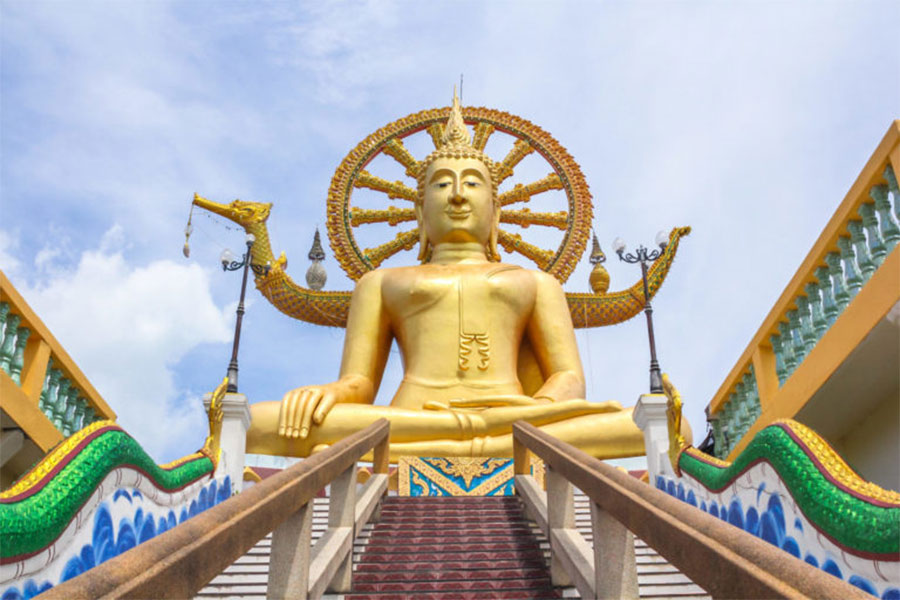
pixel 534 594
pixel 403 557
pixel 463 585
pixel 678 590
pixel 435 524
pixel 438 574
pixel 458 565
pixel 466 537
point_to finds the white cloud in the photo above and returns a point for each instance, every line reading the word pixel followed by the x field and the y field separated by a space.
pixel 9 263
pixel 127 327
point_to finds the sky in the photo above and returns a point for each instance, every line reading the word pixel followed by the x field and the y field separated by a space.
pixel 748 121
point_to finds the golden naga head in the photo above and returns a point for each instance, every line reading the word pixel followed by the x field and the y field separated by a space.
pixel 456 143
pixel 241 212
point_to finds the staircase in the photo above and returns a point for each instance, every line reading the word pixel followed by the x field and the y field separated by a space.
pixel 452 547
pixel 474 547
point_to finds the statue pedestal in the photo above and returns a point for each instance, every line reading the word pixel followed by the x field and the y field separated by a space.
pixel 235 423
pixel 460 476
pixel 650 416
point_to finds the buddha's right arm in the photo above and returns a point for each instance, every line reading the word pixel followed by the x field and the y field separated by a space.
pixel 366 347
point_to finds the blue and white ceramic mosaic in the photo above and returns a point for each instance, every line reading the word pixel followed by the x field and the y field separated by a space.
pixel 124 511
pixel 760 503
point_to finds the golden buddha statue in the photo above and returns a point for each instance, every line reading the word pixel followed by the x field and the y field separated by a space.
pixel 468 327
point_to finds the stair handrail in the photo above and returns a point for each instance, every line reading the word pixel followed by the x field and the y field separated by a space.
pixel 181 561
pixel 722 559
pixel 43 389
pixel 860 237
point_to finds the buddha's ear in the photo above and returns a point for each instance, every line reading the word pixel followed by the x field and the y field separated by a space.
pixel 423 238
pixel 493 254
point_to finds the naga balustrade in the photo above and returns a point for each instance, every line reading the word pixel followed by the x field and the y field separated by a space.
pixel 43 390
pixel 178 563
pixel 855 256
pixel 722 559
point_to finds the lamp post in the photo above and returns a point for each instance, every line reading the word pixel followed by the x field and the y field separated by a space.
pixel 229 264
pixel 643 256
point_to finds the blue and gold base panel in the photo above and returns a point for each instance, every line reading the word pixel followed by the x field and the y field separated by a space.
pixel 460 476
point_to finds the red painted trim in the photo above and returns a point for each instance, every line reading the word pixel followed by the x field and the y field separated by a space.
pixel 831 478
pixel 806 450
pixel 65 460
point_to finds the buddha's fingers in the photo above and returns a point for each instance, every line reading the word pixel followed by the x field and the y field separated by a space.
pixel 311 399
pixel 498 420
pixel 497 401
pixel 282 428
pixel 435 405
pixel 286 413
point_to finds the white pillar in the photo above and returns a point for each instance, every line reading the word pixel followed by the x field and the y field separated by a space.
pixel 235 423
pixel 650 416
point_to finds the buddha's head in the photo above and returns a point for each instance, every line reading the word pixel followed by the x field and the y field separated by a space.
pixel 457 192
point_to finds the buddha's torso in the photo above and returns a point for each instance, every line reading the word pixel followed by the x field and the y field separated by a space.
pixel 459 328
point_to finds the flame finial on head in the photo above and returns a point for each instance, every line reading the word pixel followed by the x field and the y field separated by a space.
pixel 456 133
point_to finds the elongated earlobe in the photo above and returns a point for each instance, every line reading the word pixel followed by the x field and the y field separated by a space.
pixel 423 237
pixel 493 254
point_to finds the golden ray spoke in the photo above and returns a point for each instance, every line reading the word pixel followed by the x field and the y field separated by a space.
pixel 392 216
pixel 405 240
pixel 482 132
pixel 520 150
pixel 394 189
pixel 436 131
pixel 523 193
pixel 525 217
pixel 513 242
pixel 395 148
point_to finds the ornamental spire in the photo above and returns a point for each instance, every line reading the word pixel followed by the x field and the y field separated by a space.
pixel 456 133
pixel 316 275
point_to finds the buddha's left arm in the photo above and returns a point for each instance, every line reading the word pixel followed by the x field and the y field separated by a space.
pixel 553 341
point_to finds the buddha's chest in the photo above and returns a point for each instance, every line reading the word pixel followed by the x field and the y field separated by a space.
pixel 475 300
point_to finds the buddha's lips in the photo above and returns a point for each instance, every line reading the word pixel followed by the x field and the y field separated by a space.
pixel 458 214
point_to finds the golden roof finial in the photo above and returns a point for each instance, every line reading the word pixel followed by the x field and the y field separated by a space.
pixel 456 133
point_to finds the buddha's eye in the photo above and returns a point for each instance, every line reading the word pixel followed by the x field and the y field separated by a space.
pixel 472 183
pixel 442 184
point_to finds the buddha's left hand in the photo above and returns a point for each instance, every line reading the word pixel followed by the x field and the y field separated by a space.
pixel 485 402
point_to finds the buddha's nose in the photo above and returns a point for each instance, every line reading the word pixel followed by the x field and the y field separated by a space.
pixel 456 197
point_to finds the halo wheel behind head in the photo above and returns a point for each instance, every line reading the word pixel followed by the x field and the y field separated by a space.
pixel 564 175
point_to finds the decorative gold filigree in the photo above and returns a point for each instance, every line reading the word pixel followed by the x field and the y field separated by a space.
pixel 836 466
pixel 395 149
pixel 525 218
pixel 483 131
pixel 436 131
pixel 466 468
pixel 673 418
pixel 513 242
pixel 404 241
pixel 391 215
pixel 566 176
pixel 520 150
pixel 394 189
pixel 524 192
pixel 709 458
pixel 212 444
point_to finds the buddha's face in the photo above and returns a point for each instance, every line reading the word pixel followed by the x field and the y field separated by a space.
pixel 458 203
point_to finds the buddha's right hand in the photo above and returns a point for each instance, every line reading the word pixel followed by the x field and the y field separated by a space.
pixel 304 406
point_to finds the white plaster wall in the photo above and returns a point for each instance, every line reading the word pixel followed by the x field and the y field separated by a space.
pixel 872 448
